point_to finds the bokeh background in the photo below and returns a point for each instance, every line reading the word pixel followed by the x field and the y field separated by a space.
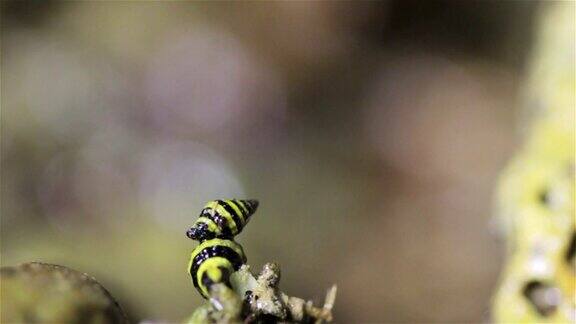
pixel 371 132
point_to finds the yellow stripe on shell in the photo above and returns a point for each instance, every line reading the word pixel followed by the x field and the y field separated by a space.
pixel 214 205
pixel 211 264
pixel 230 220
pixel 212 227
pixel 214 273
pixel 241 203
pixel 190 262
pixel 232 203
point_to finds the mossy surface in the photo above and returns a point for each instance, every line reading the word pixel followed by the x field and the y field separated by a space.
pixel 46 293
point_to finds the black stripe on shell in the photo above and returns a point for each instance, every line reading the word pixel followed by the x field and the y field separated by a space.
pixel 235 216
pixel 215 251
pixel 220 221
pixel 252 205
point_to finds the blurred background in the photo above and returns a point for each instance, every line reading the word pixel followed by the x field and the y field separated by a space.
pixel 372 133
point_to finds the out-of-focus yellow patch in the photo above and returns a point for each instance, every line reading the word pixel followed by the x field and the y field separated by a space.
pixel 536 192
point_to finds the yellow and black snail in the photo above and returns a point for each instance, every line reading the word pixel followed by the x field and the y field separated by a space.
pixel 218 255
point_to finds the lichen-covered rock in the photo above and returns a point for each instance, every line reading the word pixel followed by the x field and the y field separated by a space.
pixel 46 293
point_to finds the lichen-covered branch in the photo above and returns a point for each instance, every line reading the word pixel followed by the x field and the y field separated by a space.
pixel 258 299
